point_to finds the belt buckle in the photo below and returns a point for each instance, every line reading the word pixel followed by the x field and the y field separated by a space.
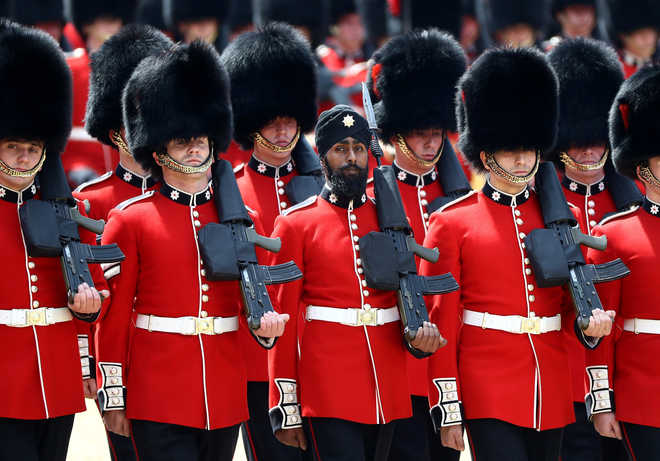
pixel 367 317
pixel 531 324
pixel 36 317
pixel 204 326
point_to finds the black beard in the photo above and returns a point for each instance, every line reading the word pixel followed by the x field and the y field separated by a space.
pixel 351 186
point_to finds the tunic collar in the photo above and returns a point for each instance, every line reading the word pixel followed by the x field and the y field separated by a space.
pixel 503 198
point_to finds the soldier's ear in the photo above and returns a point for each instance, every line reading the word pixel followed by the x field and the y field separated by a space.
pixel 155 156
pixel 482 156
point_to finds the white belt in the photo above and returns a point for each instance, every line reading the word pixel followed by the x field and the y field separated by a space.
pixel 187 325
pixel 353 317
pixel 642 326
pixel 512 323
pixel 42 316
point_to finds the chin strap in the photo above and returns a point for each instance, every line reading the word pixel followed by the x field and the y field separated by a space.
pixel 173 165
pixel 9 171
pixel 407 151
pixel 119 141
pixel 647 175
pixel 570 162
pixel 499 171
pixel 263 142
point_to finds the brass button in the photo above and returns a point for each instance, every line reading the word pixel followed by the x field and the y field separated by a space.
pixel 115 401
pixel 205 298
pixel 113 371
pixel 280 183
pixel 203 314
pixel 522 235
pixel 356 238
pixel 283 204
pixel 31 265
pixel 203 272
pixel 422 193
pixel 197 223
pixel 35 304
pixel 528 271
pixel 591 204
pixel 352 217
pixel 519 221
pixel 354 226
pixel 195 214
pixel 424 202
pixel 531 298
pixel 205 287
pixel 367 306
pixel 365 292
pixel 364 283
pixel 34 288
pixel 517 212
pixel 357 247
pixel 591 212
pixel 114 381
pixel 360 270
pixel 592 223
pixel 526 261
pixel 280 191
pixel 426 216
pixel 34 278
pixel 530 287
pixel 358 262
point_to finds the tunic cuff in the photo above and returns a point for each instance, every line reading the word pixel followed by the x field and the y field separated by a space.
pixel 286 415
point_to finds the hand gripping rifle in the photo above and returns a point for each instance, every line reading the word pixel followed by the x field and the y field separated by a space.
pixel 555 252
pixel 50 226
pixel 228 249
pixel 389 255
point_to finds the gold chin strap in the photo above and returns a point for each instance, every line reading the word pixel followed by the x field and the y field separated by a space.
pixel 9 171
pixel 403 145
pixel 499 171
pixel 568 161
pixel 173 165
pixel 647 175
pixel 263 142
pixel 118 140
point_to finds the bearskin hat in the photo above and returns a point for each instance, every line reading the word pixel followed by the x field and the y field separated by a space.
pixel 444 15
pixel 589 74
pixel 176 11
pixel 111 67
pixel 635 121
pixel 560 5
pixel 182 93
pixel 506 13
pixel 310 14
pixel 631 15
pixel 36 107
pixel 31 12
pixel 150 12
pixel 417 82
pixel 273 73
pixel 81 12
pixel 507 100
pixel 340 8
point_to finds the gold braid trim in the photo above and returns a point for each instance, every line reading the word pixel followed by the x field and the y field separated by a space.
pixel 647 175
pixel 263 142
pixel 9 171
pixel 173 165
pixel 118 140
pixel 403 145
pixel 568 161
pixel 499 171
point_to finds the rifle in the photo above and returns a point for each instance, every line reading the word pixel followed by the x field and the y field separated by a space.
pixel 50 227
pixel 555 254
pixel 228 249
pixel 389 255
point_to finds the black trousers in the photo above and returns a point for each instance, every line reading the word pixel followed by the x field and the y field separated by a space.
pixel 35 440
pixel 170 442
pixel 580 441
pixel 121 448
pixel 495 440
pixel 642 442
pixel 330 439
pixel 258 440
pixel 414 438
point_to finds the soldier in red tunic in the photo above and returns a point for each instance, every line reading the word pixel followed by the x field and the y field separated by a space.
pixel 623 372
pixel 176 111
pixel 41 384
pixel 589 74
pixel 417 80
pixel 189 20
pixel 517 23
pixel 344 369
pixel 504 373
pixel 576 18
pixel 273 82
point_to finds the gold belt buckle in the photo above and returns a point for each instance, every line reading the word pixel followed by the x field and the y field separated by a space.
pixel 36 317
pixel 367 317
pixel 204 326
pixel 531 324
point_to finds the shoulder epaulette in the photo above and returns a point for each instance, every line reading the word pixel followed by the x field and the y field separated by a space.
pixel 454 202
pixel 239 167
pixel 96 180
pixel 126 203
pixel 305 203
pixel 618 214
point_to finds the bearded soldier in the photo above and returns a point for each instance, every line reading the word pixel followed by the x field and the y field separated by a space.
pixel 416 82
pixel 41 384
pixel 351 330
pixel 176 113
pixel 504 373
pixel 623 373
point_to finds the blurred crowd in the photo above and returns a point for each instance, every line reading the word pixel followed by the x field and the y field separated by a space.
pixel 345 34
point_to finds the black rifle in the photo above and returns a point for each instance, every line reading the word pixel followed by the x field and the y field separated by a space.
pixel 555 252
pixel 50 227
pixel 452 178
pixel 389 255
pixel 228 249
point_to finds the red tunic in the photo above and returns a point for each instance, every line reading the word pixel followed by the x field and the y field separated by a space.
pixel 631 359
pixel 518 378
pixel 352 373
pixel 347 73
pixel 193 381
pixel 40 364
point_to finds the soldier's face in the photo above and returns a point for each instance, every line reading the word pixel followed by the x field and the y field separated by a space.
pixel 518 35
pixel 348 156
pixel 641 43
pixel 204 29
pixel 190 152
pixel 587 155
pixel 425 143
pixel 577 20
pixel 280 131
pixel 350 32
pixel 516 162
pixel 21 155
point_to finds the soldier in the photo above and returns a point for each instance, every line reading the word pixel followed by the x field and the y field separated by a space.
pixel 273 82
pixel 176 111
pixel 506 380
pixel 635 32
pixel 417 80
pixel 577 18
pixel 308 370
pixel 42 378
pixel 190 20
pixel 589 74
pixel 517 23
pixel 624 369
pixel 111 67
pixel 45 15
